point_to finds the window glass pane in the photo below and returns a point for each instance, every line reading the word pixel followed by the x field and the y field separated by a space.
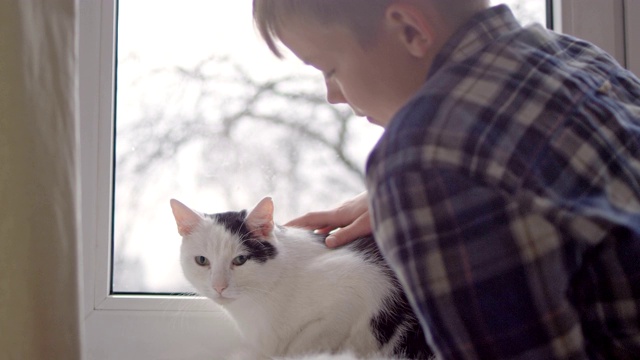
pixel 207 115
pixel 527 11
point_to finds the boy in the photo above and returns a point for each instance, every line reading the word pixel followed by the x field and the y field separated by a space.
pixel 505 191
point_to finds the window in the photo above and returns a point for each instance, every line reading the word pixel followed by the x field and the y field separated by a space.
pixel 527 12
pixel 166 104
pixel 218 122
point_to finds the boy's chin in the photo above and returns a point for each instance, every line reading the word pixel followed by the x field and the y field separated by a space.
pixel 356 111
pixel 374 121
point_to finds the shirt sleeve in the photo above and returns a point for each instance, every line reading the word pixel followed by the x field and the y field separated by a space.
pixel 487 272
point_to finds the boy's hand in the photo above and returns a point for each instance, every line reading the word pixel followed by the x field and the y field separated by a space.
pixel 351 219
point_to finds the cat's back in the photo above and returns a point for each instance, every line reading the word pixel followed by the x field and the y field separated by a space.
pixel 395 326
pixel 289 294
pixel 357 266
pixel 356 277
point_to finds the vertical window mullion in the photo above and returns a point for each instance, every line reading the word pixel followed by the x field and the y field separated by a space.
pixel 597 21
pixel 632 35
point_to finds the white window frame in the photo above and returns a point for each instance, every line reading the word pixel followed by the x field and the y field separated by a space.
pixel 606 23
pixel 632 35
pixel 168 327
pixel 124 327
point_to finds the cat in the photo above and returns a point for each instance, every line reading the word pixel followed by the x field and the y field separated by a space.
pixel 292 296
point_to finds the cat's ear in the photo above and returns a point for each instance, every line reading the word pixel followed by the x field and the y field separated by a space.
pixel 186 219
pixel 260 219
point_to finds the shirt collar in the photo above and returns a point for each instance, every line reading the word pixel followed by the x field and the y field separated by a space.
pixel 482 29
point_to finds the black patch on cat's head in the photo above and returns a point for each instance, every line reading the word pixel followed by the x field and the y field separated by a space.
pixel 232 221
pixel 257 249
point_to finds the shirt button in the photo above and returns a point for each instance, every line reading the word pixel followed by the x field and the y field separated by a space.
pixel 605 87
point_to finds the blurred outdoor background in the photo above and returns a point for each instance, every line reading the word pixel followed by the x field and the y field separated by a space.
pixel 207 115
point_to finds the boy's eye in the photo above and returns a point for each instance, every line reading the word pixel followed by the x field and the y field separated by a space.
pixel 202 261
pixel 239 260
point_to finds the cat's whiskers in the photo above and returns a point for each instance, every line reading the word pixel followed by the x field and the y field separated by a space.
pixel 253 288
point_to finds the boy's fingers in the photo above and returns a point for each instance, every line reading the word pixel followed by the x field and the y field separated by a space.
pixel 360 227
pixel 301 222
pixel 313 220
pixel 325 230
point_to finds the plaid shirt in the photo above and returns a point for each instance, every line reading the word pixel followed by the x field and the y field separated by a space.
pixel 506 196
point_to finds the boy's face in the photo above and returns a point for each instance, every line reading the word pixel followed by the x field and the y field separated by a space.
pixel 375 81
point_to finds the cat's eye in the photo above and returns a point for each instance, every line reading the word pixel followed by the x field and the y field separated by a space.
pixel 239 260
pixel 202 261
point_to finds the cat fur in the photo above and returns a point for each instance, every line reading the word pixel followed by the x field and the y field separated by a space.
pixel 295 297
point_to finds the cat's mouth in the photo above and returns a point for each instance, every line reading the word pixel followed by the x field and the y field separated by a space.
pixel 222 299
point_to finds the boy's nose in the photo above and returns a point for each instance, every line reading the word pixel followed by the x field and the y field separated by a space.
pixel 334 93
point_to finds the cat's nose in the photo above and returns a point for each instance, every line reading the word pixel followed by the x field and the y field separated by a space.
pixel 220 288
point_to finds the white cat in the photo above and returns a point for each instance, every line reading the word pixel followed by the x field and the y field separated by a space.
pixel 292 296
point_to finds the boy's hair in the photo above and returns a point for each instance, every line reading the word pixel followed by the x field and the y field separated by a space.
pixel 362 17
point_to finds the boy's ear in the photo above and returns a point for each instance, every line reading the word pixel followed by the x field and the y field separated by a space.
pixel 411 27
